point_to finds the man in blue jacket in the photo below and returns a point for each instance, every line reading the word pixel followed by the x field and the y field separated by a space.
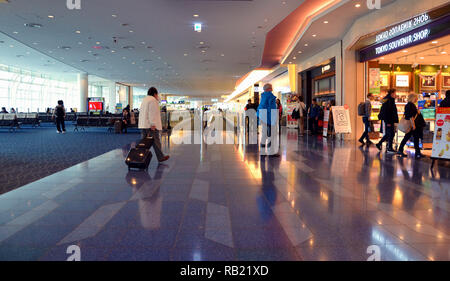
pixel 268 118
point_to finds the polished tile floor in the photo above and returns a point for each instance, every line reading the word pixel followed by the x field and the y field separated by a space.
pixel 321 200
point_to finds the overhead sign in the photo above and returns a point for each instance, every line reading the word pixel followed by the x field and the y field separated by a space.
pixel 341 118
pixel 403 27
pixel 399 40
pixel 326 68
pixel 403 41
pixel 441 143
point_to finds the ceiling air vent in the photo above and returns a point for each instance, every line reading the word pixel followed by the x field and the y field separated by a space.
pixel 65 48
pixel 33 25
pixel 128 47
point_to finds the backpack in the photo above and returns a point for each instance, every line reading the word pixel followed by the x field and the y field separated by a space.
pixel 59 111
pixel 382 113
pixel 362 109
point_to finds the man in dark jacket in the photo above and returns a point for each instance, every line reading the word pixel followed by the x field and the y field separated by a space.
pixel 389 115
pixel 314 114
pixel 446 101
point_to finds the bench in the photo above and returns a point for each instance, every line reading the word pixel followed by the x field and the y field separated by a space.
pixel 9 121
pixel 28 119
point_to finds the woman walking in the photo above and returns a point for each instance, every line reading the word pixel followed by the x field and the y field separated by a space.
pixel 417 122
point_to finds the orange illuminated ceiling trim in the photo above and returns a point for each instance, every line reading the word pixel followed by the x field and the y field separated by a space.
pixel 280 39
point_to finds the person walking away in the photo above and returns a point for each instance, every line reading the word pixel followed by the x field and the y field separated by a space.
pixel 446 102
pixel 389 115
pixel 60 114
pixel 418 123
pixel 367 106
pixel 314 113
pixel 268 103
pixel 150 122
pixel 125 119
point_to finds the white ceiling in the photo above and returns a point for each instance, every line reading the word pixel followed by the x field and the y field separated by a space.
pixel 339 20
pixel 234 31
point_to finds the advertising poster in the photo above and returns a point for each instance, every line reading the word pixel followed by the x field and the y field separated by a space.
pixel 374 81
pixel 341 117
pixel 446 81
pixel 326 119
pixel 441 143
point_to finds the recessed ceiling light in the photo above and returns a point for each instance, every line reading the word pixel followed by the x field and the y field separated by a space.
pixel 131 31
pixel 314 35
pixel 98 43
pixel 306 45
pixel 112 51
pixel 15 32
pixel 434 42
pixel 196 16
pixel 201 43
pixel 114 16
pixel 358 5
pixel 382 58
pixel 294 58
pixel 11 46
pixel 300 52
pixel 51 17
pixel 222 55
pixel 185 55
pixel 444 52
pixel 421 58
pixel 325 22
pixel 78 31
pixel 35 43
pixel 405 51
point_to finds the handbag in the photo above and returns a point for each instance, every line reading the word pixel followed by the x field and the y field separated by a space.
pixel 405 125
pixel 295 114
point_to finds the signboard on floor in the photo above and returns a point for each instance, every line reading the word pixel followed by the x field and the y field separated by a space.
pixel 341 118
pixel 441 143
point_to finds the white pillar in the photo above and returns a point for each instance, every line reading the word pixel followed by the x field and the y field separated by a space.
pixel 84 91
pixel 112 97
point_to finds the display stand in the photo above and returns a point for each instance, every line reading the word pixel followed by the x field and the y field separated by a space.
pixel 441 143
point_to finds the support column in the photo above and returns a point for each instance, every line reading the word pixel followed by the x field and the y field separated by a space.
pixel 84 91
pixel 112 97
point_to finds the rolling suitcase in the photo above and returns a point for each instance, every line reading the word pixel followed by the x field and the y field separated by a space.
pixel 138 158
pixel 146 143
pixel 118 127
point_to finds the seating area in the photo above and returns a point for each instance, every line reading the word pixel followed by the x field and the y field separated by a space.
pixel 85 121
pixel 9 121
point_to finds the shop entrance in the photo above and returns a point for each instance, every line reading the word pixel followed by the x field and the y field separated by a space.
pixel 422 69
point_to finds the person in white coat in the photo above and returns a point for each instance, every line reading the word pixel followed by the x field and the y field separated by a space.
pixel 150 122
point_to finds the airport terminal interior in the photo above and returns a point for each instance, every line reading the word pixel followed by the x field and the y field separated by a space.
pixel 196 130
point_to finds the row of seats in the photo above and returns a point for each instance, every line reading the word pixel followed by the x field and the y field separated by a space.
pixel 98 121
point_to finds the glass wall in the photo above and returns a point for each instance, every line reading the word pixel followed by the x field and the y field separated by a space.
pixel 29 91
pixel 138 95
